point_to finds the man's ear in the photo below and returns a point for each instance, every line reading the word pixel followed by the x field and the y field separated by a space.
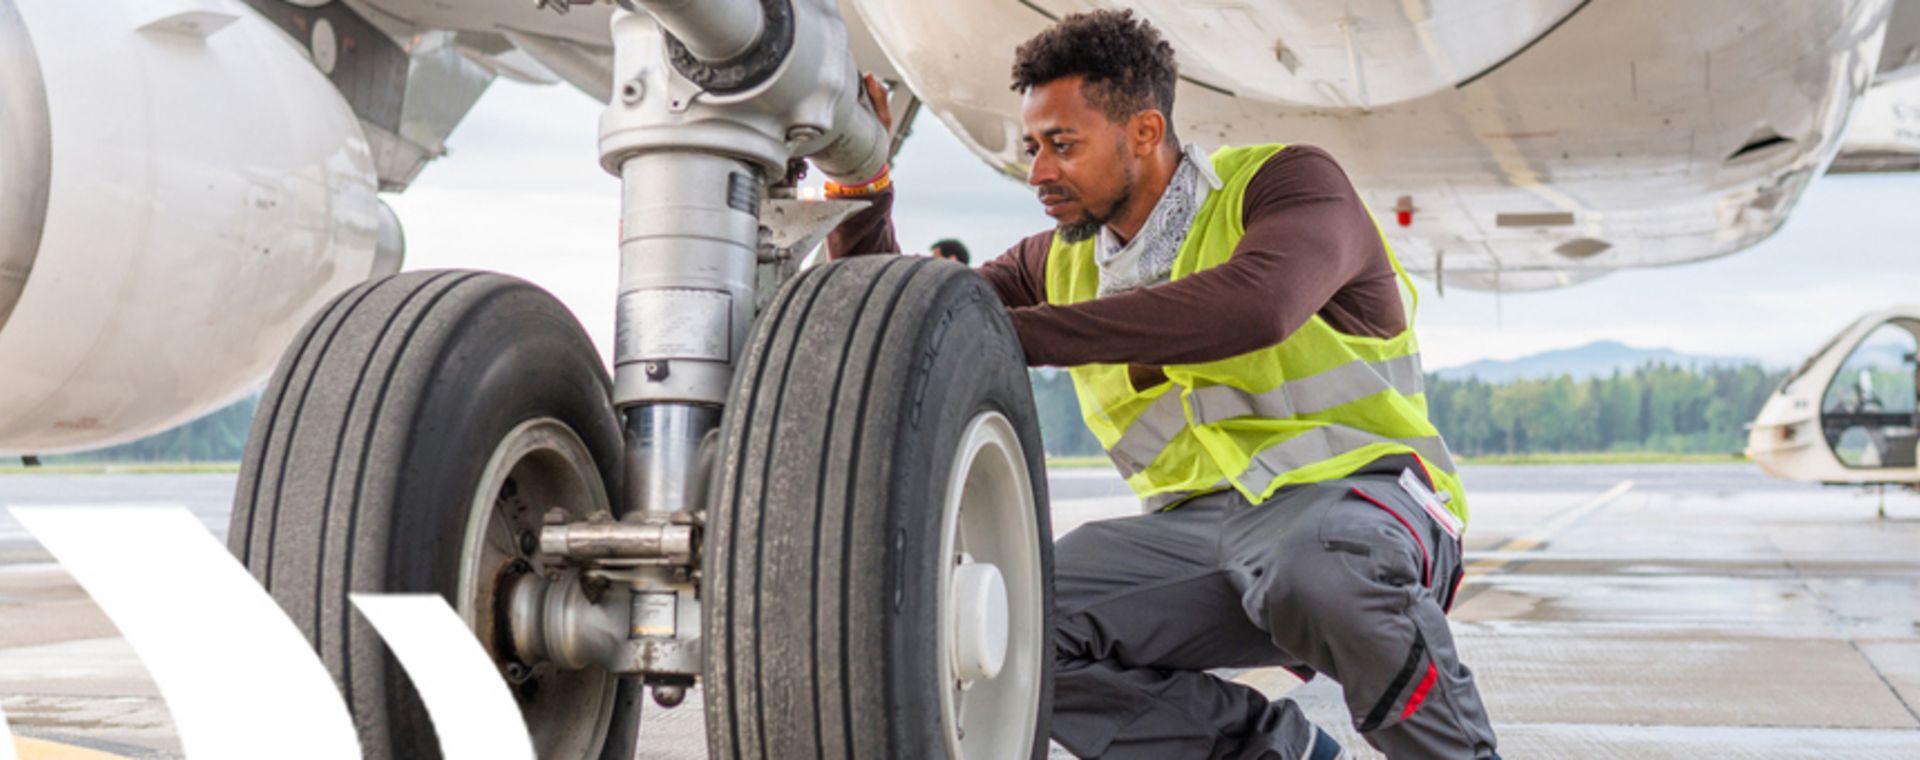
pixel 1146 130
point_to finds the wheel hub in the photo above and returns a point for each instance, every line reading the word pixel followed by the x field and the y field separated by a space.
pixel 980 625
pixel 539 464
pixel 994 637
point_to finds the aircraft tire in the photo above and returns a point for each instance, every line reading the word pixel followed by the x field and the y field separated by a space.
pixel 407 414
pixel 880 443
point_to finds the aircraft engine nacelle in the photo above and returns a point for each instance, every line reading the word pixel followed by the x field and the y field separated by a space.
pixel 180 189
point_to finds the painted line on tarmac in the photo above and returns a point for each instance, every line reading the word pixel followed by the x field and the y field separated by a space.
pixel 1515 549
pixel 240 680
pixel 38 749
pixel 473 712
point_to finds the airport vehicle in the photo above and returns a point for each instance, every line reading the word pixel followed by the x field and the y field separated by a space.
pixel 818 493
pixel 1849 414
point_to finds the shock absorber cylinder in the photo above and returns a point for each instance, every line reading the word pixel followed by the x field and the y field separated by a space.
pixel 711 100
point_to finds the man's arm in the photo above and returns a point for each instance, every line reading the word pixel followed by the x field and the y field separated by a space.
pixel 1307 236
pixel 1017 275
pixel 867 231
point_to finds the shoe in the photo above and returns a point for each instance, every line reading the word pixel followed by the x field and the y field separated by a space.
pixel 1324 747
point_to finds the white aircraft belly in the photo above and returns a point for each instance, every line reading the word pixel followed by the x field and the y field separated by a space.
pixel 1625 118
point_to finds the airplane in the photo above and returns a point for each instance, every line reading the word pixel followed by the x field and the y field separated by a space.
pixel 1847 414
pixel 189 192
pixel 1505 145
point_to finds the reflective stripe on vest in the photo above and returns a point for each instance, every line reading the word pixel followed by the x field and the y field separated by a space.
pixel 1306 448
pixel 1165 418
pixel 1315 393
pixel 1149 434
pixel 1327 442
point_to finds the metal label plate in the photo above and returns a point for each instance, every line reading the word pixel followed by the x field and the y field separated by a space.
pixel 675 323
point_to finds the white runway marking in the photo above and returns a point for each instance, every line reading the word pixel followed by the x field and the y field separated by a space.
pixel 6 739
pixel 1507 552
pixel 239 678
pixel 473 713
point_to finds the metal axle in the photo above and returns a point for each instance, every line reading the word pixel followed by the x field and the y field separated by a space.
pixel 634 543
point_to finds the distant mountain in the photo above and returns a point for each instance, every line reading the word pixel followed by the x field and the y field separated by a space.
pixel 1597 359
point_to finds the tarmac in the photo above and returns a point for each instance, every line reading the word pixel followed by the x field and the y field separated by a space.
pixel 1660 611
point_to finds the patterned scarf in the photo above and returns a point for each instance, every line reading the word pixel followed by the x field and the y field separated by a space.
pixel 1147 259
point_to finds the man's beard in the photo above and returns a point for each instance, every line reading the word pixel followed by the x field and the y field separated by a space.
pixel 1084 230
pixel 1080 231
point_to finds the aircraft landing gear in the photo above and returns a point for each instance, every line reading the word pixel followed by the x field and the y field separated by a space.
pixel 822 494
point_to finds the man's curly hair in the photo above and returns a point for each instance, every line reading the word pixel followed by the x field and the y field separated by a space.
pixel 1127 66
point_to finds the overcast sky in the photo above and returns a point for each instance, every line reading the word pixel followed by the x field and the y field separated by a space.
pixel 521 191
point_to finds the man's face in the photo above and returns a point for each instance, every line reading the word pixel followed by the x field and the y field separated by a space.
pixel 1083 167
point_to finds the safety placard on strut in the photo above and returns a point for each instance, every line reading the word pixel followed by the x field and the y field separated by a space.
pixel 675 323
pixel 1430 501
pixel 743 194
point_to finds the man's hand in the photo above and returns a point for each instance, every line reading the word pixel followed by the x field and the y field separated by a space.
pixel 877 97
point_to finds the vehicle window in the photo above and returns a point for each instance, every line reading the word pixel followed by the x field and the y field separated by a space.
pixel 1868 412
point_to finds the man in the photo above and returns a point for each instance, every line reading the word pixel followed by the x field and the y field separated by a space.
pixel 1236 334
pixel 951 250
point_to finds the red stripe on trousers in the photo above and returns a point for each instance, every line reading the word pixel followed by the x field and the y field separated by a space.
pixel 1420 694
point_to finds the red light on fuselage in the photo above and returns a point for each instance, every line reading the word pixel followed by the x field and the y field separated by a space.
pixel 1403 210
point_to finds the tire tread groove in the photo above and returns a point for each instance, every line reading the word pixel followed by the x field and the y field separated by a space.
pixel 825 447
pixel 725 602
pixel 853 470
pixel 269 417
pixel 792 331
pixel 293 430
pixel 440 285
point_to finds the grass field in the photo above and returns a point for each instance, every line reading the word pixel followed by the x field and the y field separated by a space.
pixel 123 468
pixel 1613 457
pixel 1077 463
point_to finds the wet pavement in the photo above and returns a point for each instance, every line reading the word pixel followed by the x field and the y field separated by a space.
pixel 1676 611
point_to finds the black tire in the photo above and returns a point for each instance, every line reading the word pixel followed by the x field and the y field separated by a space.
pixel 364 457
pixel 824 543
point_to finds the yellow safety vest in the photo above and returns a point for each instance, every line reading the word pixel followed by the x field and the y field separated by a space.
pixel 1318 406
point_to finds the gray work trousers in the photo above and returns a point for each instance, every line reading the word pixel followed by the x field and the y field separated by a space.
pixel 1349 578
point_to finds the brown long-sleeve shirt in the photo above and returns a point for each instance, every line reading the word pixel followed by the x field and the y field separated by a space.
pixel 1310 248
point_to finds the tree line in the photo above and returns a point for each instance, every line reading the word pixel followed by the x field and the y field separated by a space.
pixel 220 436
pixel 1656 408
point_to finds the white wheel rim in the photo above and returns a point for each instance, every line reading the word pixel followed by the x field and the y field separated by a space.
pixel 989 533
pixel 551 467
